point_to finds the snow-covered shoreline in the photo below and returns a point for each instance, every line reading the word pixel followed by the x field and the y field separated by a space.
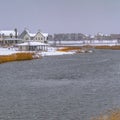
pixel 7 51
pixel 52 52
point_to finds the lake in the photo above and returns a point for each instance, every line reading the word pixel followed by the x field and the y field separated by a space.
pixel 68 87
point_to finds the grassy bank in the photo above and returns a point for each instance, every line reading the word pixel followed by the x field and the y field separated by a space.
pixel 87 47
pixel 67 49
pixel 116 47
pixel 76 49
pixel 110 115
pixel 16 57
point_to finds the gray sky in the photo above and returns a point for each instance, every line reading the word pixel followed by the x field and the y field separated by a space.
pixel 61 16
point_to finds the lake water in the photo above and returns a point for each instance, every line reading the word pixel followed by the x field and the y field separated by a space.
pixel 70 87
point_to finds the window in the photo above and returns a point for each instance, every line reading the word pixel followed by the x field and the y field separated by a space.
pixel 11 35
pixel 26 38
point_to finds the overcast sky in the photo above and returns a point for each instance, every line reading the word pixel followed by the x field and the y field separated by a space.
pixel 61 16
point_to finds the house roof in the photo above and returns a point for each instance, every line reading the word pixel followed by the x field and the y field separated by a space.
pixel 23 34
pixel 32 34
pixel 7 32
pixel 45 34
pixel 12 39
pixel 31 44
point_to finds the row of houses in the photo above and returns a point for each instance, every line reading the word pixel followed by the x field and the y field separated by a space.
pixel 24 41
pixel 39 41
pixel 80 36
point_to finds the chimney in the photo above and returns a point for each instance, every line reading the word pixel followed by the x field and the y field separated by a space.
pixel 15 32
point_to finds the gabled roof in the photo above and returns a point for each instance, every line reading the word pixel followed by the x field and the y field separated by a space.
pixel 23 34
pixel 45 34
pixel 31 34
pixel 39 33
pixel 26 32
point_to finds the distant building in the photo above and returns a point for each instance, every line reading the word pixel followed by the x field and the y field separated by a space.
pixel 50 37
pixel 7 34
pixel 33 41
pixel 101 36
pixel 115 36
pixel 38 37
pixel 69 36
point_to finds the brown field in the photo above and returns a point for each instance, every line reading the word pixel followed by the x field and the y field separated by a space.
pixel 16 57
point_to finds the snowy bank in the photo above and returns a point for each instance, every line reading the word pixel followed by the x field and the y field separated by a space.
pixel 7 51
pixel 55 53
pixel 50 52
pixel 7 55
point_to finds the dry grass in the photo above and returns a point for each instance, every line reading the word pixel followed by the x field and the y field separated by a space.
pixel 67 49
pixel 110 115
pixel 75 48
pixel 16 57
pixel 116 47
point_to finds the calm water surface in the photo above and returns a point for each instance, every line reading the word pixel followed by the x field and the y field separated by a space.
pixel 72 87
